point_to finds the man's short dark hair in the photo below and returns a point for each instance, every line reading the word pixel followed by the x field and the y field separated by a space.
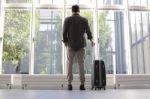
pixel 75 8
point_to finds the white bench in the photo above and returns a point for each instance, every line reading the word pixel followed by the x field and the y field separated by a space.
pixel 53 81
pixel 58 81
pixel 132 80
pixel 5 79
pixel 42 80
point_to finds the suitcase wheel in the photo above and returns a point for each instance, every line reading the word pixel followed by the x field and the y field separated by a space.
pixel 104 88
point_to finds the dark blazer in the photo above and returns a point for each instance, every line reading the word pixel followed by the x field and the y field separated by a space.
pixel 74 29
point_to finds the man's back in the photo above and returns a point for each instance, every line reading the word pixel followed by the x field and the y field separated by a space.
pixel 75 27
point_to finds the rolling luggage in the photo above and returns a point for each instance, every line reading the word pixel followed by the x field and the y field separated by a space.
pixel 98 75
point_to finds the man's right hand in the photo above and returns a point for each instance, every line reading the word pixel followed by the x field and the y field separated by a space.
pixel 92 43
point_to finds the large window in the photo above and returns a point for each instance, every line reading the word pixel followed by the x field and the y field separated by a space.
pixel 139 27
pixel 18 1
pixel 110 29
pixel 57 2
pixel 0 8
pixel 147 55
pixel 106 34
pixel 31 35
pixel 83 2
pixel 16 41
pixel 88 2
pixel 138 2
pixel 110 2
pixel 48 44
pixel 0 15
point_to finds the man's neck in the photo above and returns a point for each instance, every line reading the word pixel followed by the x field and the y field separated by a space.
pixel 76 13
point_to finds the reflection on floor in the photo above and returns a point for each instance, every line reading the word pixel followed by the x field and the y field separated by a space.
pixel 76 94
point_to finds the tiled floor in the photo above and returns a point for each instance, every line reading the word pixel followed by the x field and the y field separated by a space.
pixel 76 94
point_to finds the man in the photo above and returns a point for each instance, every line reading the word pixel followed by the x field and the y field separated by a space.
pixel 74 29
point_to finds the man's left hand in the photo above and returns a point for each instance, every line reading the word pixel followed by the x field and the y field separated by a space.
pixel 66 44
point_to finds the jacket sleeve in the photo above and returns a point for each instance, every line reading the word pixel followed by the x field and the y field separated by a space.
pixel 87 30
pixel 65 31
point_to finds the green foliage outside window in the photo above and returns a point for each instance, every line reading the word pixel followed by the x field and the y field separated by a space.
pixel 16 36
pixel 104 32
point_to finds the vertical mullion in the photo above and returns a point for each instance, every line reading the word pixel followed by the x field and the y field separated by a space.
pixel 128 38
pixel 32 31
pixel 63 49
pixel 142 39
pixel 136 44
pixel 96 33
pixel 2 18
pixel 149 30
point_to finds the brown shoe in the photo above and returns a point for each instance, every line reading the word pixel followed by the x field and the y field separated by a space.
pixel 82 87
pixel 70 87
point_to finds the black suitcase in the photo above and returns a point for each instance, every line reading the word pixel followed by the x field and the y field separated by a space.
pixel 98 75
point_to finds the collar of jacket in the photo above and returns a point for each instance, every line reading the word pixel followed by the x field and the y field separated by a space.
pixel 75 14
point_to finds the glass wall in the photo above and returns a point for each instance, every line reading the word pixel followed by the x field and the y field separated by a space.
pixel 106 33
pixel 0 8
pixel 110 29
pixel 139 23
pixel 0 13
pixel 138 2
pixel 57 2
pixel 31 35
pixel 147 55
pixel 16 41
pixel 110 2
pixel 18 1
pixel 82 2
pixel 48 44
